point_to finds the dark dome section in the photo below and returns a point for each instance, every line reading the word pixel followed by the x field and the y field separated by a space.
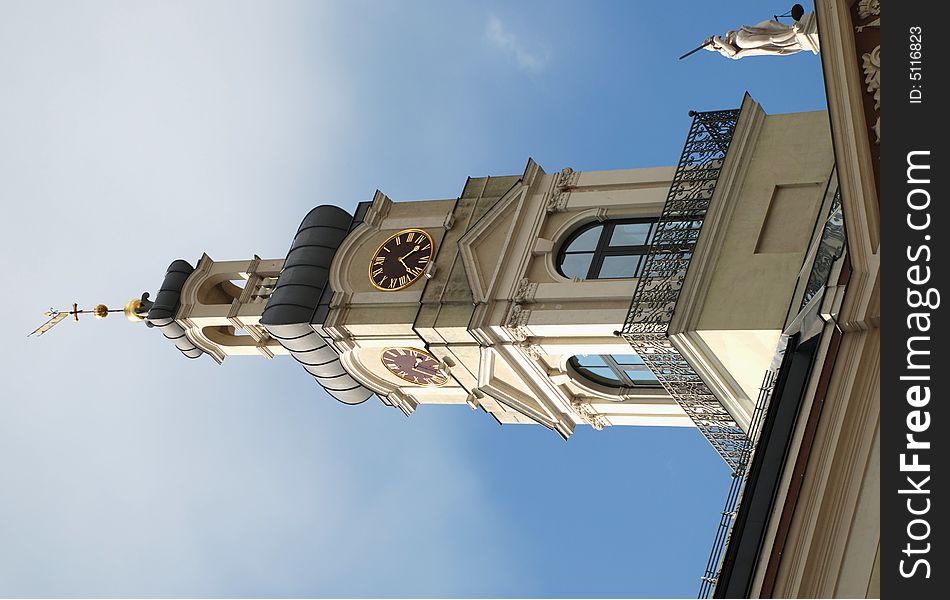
pixel 321 360
pixel 300 285
pixel 307 266
pixel 162 312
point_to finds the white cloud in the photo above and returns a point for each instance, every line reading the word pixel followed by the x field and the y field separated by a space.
pixel 499 36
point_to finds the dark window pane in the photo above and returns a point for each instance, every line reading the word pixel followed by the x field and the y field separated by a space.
pixel 586 241
pixel 589 360
pixel 615 267
pixel 576 265
pixel 631 234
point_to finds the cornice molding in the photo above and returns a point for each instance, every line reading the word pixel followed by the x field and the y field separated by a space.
pixel 197 337
pixel 852 145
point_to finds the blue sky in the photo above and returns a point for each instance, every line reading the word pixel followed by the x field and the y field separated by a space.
pixel 136 133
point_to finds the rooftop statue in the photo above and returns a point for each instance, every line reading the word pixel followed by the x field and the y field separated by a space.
pixel 769 37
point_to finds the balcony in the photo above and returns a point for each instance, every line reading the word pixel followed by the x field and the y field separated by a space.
pixel 664 271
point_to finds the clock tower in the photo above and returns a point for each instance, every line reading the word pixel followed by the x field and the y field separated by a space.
pixel 544 298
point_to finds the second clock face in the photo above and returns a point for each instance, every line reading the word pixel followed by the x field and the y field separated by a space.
pixel 400 260
pixel 414 365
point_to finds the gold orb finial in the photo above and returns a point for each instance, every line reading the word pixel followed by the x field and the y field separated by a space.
pixel 131 308
pixel 101 311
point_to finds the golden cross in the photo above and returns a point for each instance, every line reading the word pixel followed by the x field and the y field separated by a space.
pixel 100 311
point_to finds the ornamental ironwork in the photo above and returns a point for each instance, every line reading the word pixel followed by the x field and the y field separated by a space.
pixel 661 280
pixel 830 248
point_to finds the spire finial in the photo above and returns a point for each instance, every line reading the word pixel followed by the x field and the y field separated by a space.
pixel 133 311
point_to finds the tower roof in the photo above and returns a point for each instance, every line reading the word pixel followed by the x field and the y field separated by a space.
pixel 301 288
pixel 162 312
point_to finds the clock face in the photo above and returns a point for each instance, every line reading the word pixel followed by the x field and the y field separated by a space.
pixel 401 260
pixel 414 365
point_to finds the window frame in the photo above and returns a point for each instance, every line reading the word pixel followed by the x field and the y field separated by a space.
pixel 602 249
pixel 621 379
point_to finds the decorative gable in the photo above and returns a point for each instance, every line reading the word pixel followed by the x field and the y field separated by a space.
pixel 484 247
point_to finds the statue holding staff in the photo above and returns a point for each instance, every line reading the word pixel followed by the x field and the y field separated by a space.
pixel 764 39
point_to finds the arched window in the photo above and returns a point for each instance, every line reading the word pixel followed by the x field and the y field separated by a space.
pixel 609 250
pixel 226 335
pixel 220 290
pixel 614 370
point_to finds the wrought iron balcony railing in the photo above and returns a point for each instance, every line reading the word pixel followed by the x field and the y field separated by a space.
pixel 830 247
pixel 664 270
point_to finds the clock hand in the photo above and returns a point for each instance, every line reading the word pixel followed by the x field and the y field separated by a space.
pixel 416 249
pixel 402 259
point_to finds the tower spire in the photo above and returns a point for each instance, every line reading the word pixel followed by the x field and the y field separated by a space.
pixel 134 311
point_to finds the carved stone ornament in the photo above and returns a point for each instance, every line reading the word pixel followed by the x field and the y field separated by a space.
pixel 872 77
pixel 561 190
pixel 529 347
pixel 866 9
pixel 566 177
pixel 525 291
pixel 517 322
pixel 872 72
pixel 869 8
pixel 589 415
